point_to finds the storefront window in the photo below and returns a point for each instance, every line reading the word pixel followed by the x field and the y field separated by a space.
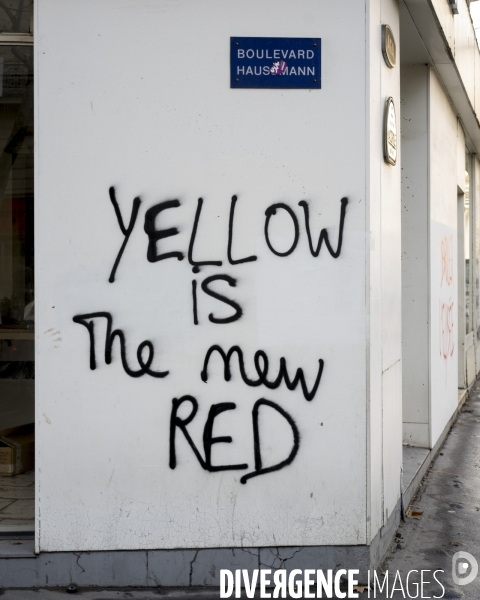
pixel 15 16
pixel 17 321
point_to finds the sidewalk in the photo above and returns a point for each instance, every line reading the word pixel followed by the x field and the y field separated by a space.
pixel 448 500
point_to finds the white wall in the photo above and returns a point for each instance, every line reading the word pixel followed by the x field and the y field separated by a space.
pixel 137 96
pixel 447 21
pixel 384 280
pixel 391 289
pixel 438 356
pixel 443 151
pixel 466 48
pixel 415 267
pixel 374 108
pixel 460 36
pixel 476 276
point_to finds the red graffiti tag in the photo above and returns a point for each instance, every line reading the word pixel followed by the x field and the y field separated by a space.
pixel 446 248
pixel 447 340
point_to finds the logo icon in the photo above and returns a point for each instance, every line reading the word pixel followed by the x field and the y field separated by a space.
pixel 464 568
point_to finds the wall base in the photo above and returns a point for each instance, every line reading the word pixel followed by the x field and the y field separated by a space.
pixel 168 568
pixel 20 567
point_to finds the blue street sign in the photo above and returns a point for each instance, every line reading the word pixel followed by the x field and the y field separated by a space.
pixel 279 63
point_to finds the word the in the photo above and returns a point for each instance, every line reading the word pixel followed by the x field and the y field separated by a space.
pixel 87 321
pixel 298 584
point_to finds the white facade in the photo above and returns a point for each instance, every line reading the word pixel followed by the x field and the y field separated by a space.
pixel 439 208
pixel 164 124
pixel 137 98
pixel 157 119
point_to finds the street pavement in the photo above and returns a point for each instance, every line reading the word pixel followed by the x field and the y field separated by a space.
pixel 449 499
pixel 444 520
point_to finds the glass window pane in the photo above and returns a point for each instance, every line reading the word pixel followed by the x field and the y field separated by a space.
pixel 15 16
pixel 16 237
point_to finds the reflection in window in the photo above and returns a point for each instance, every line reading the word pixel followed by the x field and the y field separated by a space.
pixel 16 237
pixel 15 16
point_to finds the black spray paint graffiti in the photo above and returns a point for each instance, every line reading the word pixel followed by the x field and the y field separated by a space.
pixel 216 409
pixel 270 212
pixel 208 440
pixel 209 287
pixel 155 235
pixel 88 322
pixel 197 264
pixel 126 231
pixel 324 233
pixel 232 282
pixel 261 363
pixel 230 238
pixel 259 469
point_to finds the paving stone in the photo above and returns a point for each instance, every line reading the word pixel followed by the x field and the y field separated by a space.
pixel 22 480
pixel 20 522
pixel 18 509
pixel 449 516
pixel 16 548
pixel 17 491
pixel 4 502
